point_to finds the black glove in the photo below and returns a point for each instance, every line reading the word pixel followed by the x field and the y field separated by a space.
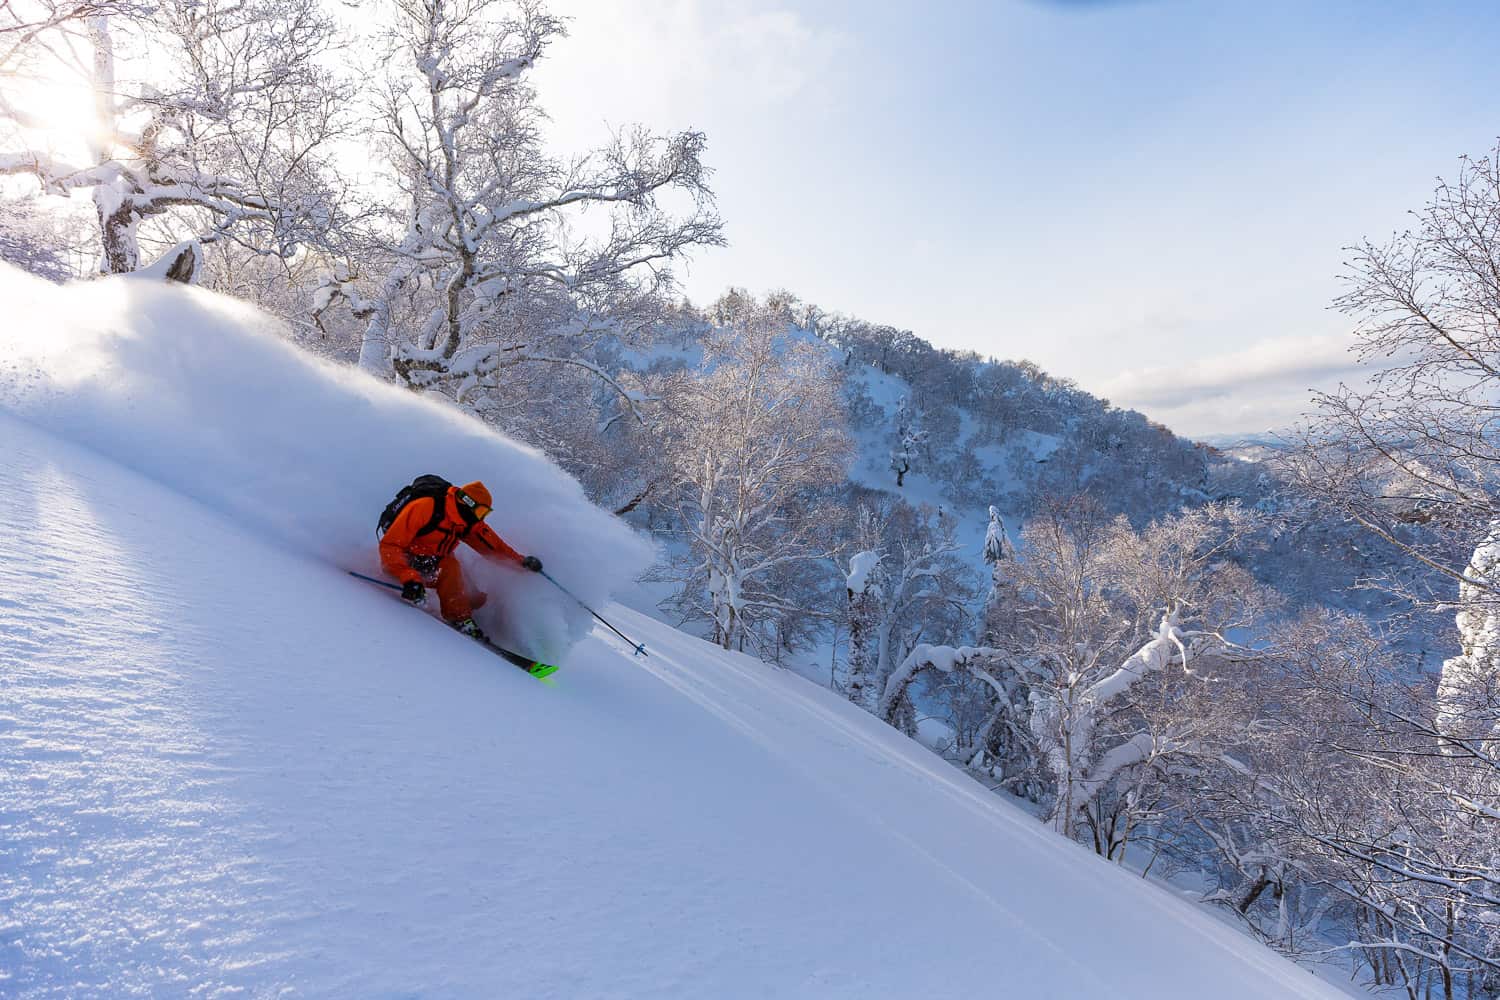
pixel 532 563
pixel 414 592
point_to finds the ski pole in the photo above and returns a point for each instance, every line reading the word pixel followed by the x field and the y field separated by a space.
pixel 640 648
pixel 383 583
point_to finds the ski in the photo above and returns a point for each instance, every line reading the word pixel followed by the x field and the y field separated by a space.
pixel 534 667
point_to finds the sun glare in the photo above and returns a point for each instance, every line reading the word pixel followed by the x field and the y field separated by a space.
pixel 60 114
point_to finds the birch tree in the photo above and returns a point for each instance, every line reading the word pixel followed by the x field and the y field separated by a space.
pixel 1108 625
pixel 864 586
pixel 755 436
pixel 213 121
pixel 1328 788
pixel 495 263
pixel 29 25
pixel 1413 455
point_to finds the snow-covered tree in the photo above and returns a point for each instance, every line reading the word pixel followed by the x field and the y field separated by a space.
pixel 755 437
pixel 1000 602
pixel 1468 693
pixel 213 120
pixel 919 587
pixel 1003 747
pixel 1116 621
pixel 1412 456
pixel 48 244
pixel 908 439
pixel 951 661
pixel 1325 789
pixel 496 263
pixel 864 585
pixel 27 24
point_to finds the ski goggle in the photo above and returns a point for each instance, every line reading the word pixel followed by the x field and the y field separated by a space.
pixel 480 510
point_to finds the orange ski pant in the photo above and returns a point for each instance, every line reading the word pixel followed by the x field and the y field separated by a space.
pixel 453 596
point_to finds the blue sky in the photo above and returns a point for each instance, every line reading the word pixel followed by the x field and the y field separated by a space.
pixel 1149 197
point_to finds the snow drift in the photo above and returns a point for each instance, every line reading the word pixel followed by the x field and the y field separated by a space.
pixel 198 392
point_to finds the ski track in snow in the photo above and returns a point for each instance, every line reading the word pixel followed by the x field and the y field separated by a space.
pixel 821 718
pixel 228 771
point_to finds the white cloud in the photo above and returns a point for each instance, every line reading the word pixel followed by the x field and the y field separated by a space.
pixel 1262 387
pixel 1275 362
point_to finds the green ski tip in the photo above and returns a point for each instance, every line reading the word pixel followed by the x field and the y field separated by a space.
pixel 540 670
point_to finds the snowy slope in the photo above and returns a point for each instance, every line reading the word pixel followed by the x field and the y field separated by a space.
pixel 224 766
pixel 227 768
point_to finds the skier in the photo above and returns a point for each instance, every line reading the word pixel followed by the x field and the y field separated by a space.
pixel 417 549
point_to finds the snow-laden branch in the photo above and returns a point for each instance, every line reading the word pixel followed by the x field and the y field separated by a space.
pixel 1155 655
pixel 944 659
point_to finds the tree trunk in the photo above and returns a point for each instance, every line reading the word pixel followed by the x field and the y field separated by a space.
pixel 859 652
pixel 120 254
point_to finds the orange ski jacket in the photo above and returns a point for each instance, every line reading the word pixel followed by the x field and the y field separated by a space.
pixel 404 538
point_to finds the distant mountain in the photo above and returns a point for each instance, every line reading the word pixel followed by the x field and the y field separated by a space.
pixel 1270 440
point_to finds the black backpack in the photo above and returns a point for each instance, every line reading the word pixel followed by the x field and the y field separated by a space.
pixel 431 487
